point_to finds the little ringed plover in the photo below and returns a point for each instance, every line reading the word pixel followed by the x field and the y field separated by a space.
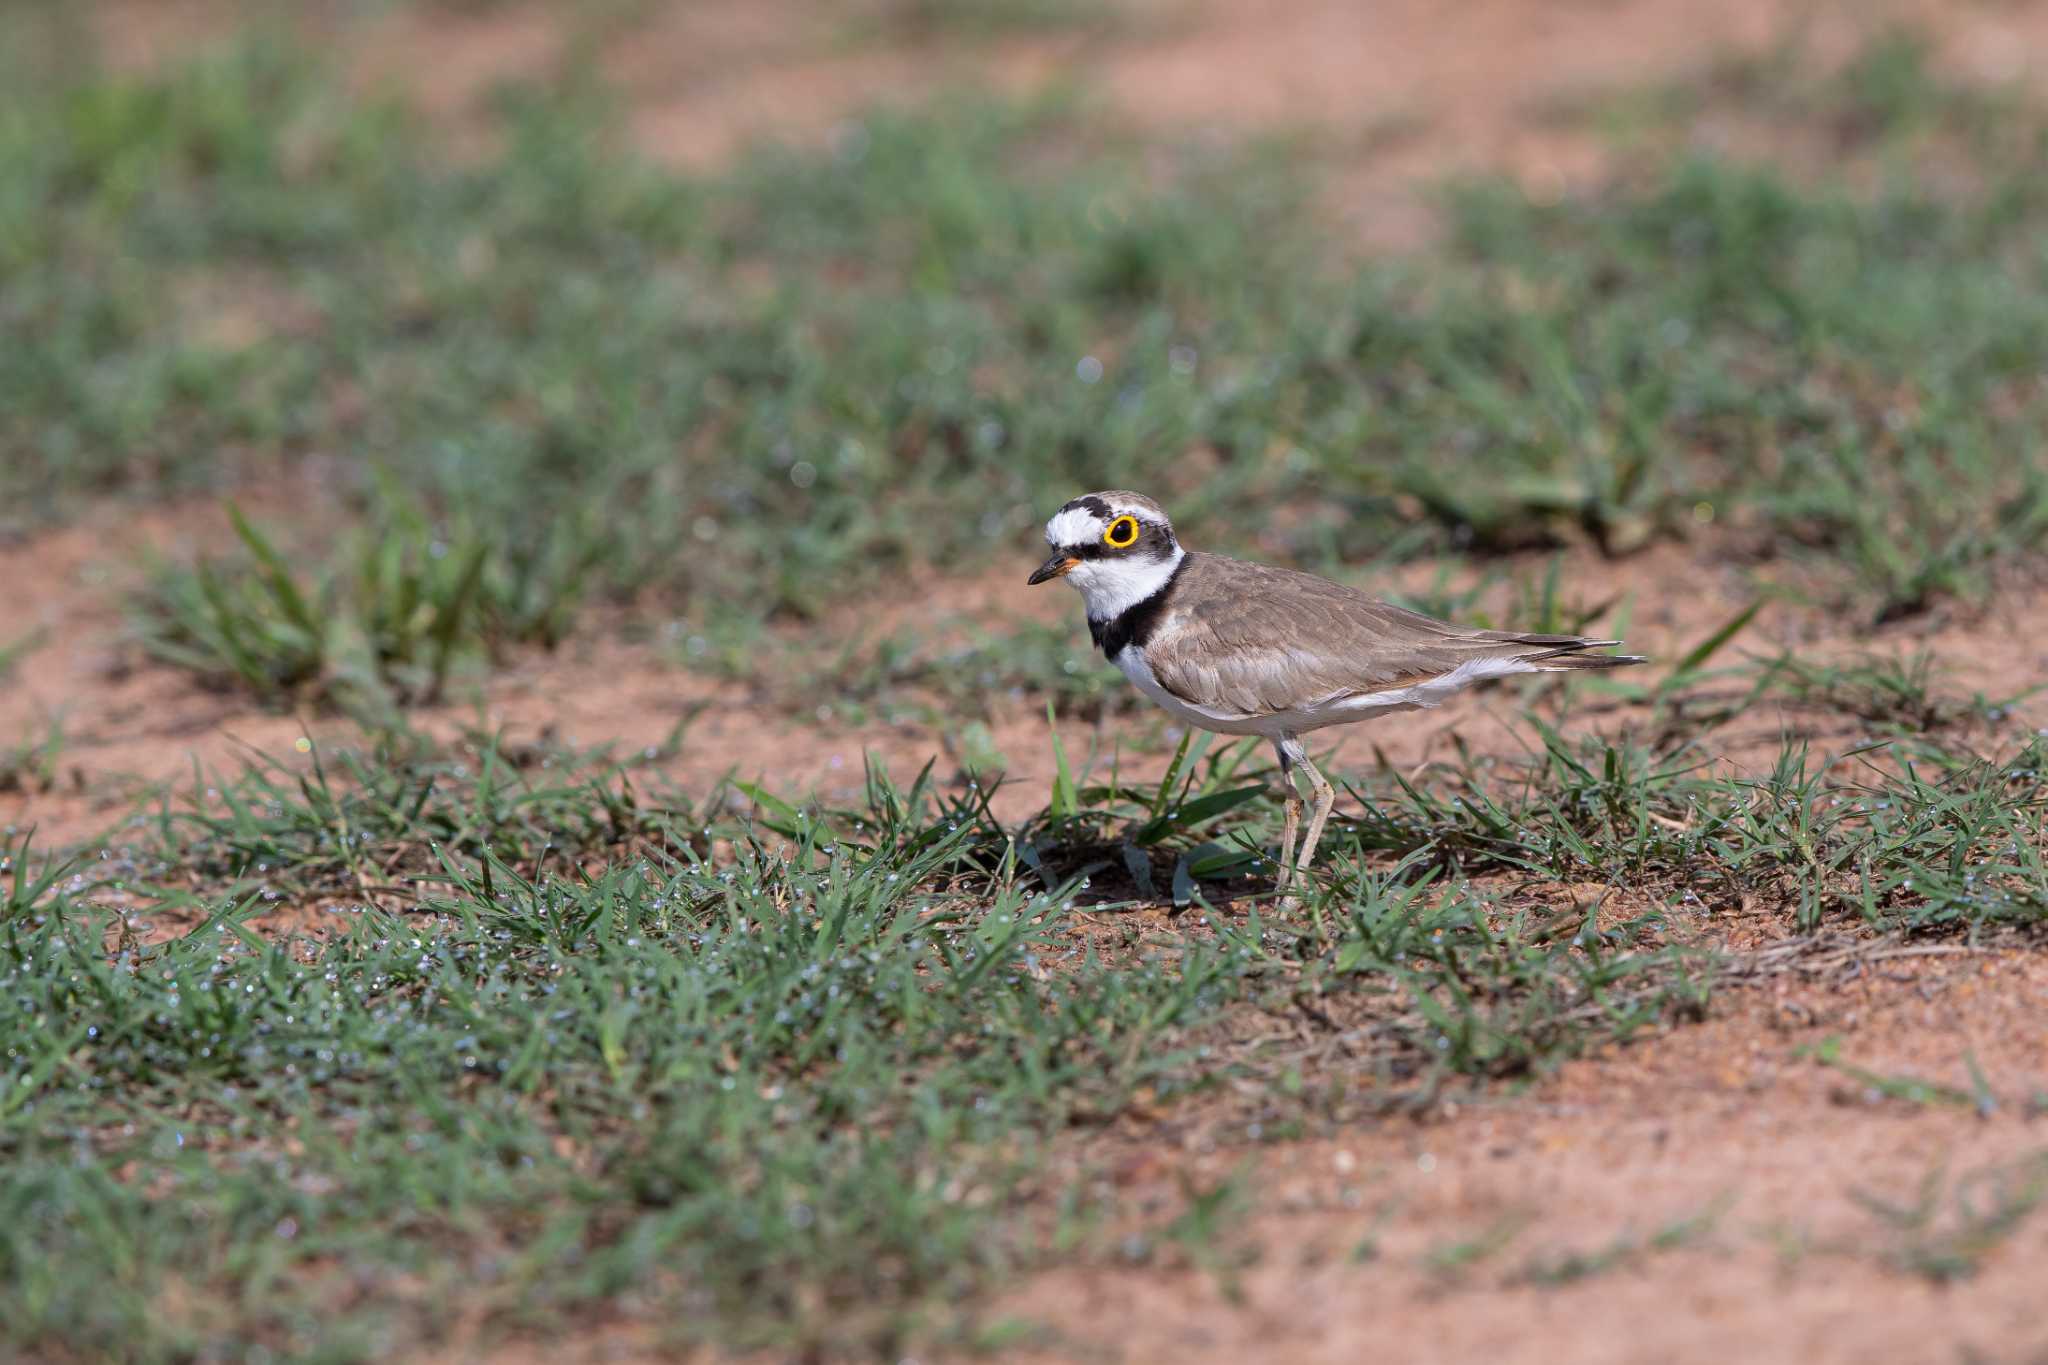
pixel 1246 649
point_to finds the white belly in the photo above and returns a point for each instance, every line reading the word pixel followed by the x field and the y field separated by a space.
pixel 1340 709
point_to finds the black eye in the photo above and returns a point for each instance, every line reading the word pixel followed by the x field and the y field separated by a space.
pixel 1122 533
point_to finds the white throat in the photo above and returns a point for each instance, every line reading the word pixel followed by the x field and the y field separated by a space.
pixel 1110 587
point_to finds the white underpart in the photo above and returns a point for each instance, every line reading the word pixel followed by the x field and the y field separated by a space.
pixel 1314 715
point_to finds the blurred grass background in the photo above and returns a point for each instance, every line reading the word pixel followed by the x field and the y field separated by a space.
pixel 553 372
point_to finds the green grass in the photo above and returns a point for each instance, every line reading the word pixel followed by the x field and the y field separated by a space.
pixel 568 1046
pixel 573 1043
pixel 1926 839
pixel 402 605
pixel 553 1090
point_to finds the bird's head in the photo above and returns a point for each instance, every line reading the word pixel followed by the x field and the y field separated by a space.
pixel 1117 548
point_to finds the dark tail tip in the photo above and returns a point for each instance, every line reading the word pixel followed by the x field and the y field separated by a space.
pixel 1561 661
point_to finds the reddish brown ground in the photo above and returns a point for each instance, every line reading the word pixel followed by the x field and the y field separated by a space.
pixel 1353 1235
pixel 1721 1118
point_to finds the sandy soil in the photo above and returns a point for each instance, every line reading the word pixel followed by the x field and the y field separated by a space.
pixel 1352 1230
pixel 1723 1122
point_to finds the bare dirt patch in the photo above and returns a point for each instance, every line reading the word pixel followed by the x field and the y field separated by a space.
pixel 1707 1196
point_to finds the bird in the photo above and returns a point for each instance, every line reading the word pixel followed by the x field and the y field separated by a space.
pixel 1249 649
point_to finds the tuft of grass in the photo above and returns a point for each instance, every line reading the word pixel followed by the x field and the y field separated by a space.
pixel 1947 1230
pixel 386 621
pixel 363 825
pixel 32 763
pixel 255 624
pixel 1931 839
pixel 1908 1089
pixel 1628 1249
pixel 1451 1260
pixel 1900 693
pixel 1489 988
pixel 31 879
pixel 1204 1229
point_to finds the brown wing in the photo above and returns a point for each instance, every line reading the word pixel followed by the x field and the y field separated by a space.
pixel 1252 639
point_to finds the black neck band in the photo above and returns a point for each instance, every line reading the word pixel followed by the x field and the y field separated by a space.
pixel 1134 624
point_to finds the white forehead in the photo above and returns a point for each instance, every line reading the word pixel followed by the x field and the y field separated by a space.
pixel 1074 526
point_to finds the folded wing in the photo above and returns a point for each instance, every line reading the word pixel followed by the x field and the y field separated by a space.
pixel 1255 640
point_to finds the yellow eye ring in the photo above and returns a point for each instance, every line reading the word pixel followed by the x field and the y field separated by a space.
pixel 1122 533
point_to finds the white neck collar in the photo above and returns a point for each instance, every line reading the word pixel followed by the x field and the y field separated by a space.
pixel 1110 587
